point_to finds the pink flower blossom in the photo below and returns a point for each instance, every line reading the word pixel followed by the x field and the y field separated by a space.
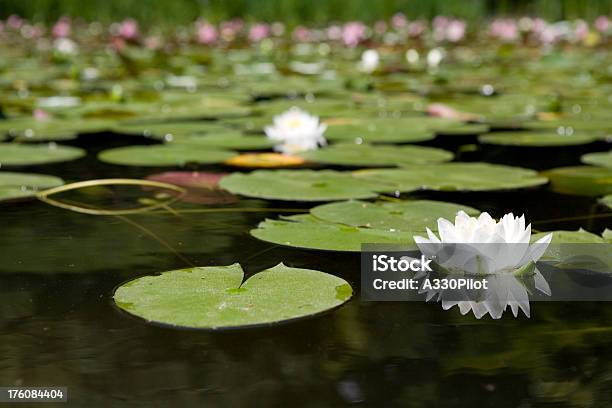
pixel 602 24
pixel 14 22
pixel 399 21
pixel 455 31
pixel 581 30
pixel 230 29
pixel 206 33
pixel 128 29
pixel 40 114
pixel 353 33
pixel 259 32
pixel 302 34
pixel 62 28
pixel 417 28
pixel 504 29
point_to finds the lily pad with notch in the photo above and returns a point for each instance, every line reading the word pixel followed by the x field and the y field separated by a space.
pixel 164 155
pixel 21 185
pixel 217 297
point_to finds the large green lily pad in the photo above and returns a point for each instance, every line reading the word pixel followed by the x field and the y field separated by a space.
pixel 164 155
pixel 216 297
pixel 453 177
pixel 33 130
pixel 373 130
pixel 20 185
pixel 347 225
pixel 299 185
pixel 377 156
pixel 169 131
pixel 14 154
pixel 607 201
pixel 226 140
pixel 581 180
pixel 598 159
pixel 537 139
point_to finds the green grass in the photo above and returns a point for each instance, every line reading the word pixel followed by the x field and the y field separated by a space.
pixel 297 11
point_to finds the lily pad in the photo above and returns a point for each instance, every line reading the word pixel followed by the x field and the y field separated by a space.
pixel 226 140
pixel 217 297
pixel 598 159
pixel 299 185
pixel 164 155
pixel 581 180
pixel 537 139
pixel 453 177
pixel 20 185
pixel 33 130
pixel 347 225
pixel 377 156
pixel 380 130
pixel 15 154
pixel 169 131
pixel 607 201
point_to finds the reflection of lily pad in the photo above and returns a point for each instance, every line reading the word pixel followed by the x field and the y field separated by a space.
pixel 299 185
pixel 13 154
pixel 347 225
pixel 19 185
pixel 377 156
pixel 453 177
pixel 540 139
pixel 165 155
pixel 264 160
pixel 216 297
pixel 581 180
pixel 598 159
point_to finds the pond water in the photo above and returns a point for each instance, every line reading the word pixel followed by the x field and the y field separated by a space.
pixel 59 325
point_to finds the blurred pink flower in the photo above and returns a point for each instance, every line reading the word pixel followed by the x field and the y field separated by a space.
pixel 40 114
pixel 353 33
pixel 230 29
pixel 302 34
pixel 206 33
pixel 455 31
pixel 581 30
pixel 128 29
pixel 602 24
pixel 259 32
pixel 62 28
pixel 399 20
pixel 504 29
pixel 417 28
pixel 14 22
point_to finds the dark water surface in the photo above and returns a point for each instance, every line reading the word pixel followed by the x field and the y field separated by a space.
pixel 58 324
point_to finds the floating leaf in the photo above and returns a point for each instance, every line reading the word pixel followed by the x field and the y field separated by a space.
pixel 202 187
pixel 598 159
pixel 14 154
pixel 377 156
pixel 164 155
pixel 581 180
pixel 226 140
pixel 380 131
pixel 265 160
pixel 453 177
pixel 169 131
pixel 537 139
pixel 34 130
pixel 216 297
pixel 347 225
pixel 299 185
pixel 607 201
pixel 20 185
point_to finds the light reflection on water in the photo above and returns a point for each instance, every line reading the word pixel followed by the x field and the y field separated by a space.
pixel 58 325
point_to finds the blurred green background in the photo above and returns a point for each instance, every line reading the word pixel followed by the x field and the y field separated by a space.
pixel 298 11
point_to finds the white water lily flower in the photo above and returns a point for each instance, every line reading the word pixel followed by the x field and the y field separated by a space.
pixel 296 131
pixel 370 60
pixel 434 57
pixel 66 46
pixel 493 249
